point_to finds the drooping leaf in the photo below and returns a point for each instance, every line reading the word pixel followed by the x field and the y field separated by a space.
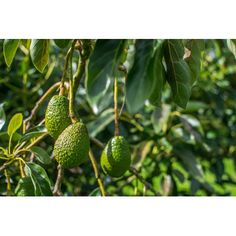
pixel 9 50
pixel 195 46
pixel 33 134
pixel 2 116
pixel 62 43
pixel 26 43
pixel 41 155
pixel 139 83
pixel 39 178
pixel 15 124
pixel 100 72
pixel 190 162
pixel 39 52
pixel 157 73
pixel 25 187
pixel 178 73
pixel 160 118
pixel 104 119
pixel 231 43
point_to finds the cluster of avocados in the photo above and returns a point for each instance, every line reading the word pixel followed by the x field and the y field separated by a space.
pixel 72 143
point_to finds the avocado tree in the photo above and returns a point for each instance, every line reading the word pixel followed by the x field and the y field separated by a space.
pixel 117 117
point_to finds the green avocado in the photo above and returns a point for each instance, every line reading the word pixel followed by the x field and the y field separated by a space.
pixel 57 115
pixel 72 146
pixel 116 157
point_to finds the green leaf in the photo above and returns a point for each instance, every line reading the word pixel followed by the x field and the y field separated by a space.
pixel 30 135
pixel 62 43
pixel 9 50
pixel 100 72
pixel 178 73
pixel 15 124
pixel 195 47
pixel 160 118
pixel 96 192
pixel 39 178
pixel 2 116
pixel 26 43
pixel 139 83
pixel 41 155
pixel 157 74
pixel 100 123
pixel 231 43
pixel 39 52
pixel 25 187
pixel 190 162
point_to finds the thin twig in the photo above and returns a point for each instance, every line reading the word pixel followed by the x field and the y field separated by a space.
pixel 97 173
pixel 57 187
pixel 117 132
pixel 37 140
pixel 62 85
pixel 39 103
pixel 98 143
pixel 71 90
pixel 148 185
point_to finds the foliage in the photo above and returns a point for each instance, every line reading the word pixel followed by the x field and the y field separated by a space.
pixel 176 101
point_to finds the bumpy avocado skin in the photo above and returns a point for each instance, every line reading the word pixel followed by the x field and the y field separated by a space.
pixel 116 157
pixel 72 146
pixel 57 115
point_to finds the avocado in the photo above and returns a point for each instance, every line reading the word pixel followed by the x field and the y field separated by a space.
pixel 57 115
pixel 72 146
pixel 116 157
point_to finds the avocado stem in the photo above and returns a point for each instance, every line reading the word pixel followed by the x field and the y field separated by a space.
pixel 97 173
pixel 117 131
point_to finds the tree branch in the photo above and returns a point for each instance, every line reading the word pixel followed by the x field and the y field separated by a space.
pixel 148 185
pixel 57 187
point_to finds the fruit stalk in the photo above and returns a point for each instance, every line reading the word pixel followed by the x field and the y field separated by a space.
pixel 62 85
pixel 72 115
pixel 57 187
pixel 97 173
pixel 117 132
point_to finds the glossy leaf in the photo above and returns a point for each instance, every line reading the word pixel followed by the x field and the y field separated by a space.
pixel 9 50
pixel 39 179
pixel 2 116
pixel 100 72
pixel 62 43
pixel 231 43
pixel 25 187
pixel 157 73
pixel 195 46
pixel 39 52
pixel 178 73
pixel 41 155
pixel 139 82
pixel 15 124
pixel 99 124
pixel 30 135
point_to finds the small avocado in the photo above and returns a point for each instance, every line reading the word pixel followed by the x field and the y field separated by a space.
pixel 57 115
pixel 72 146
pixel 116 157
